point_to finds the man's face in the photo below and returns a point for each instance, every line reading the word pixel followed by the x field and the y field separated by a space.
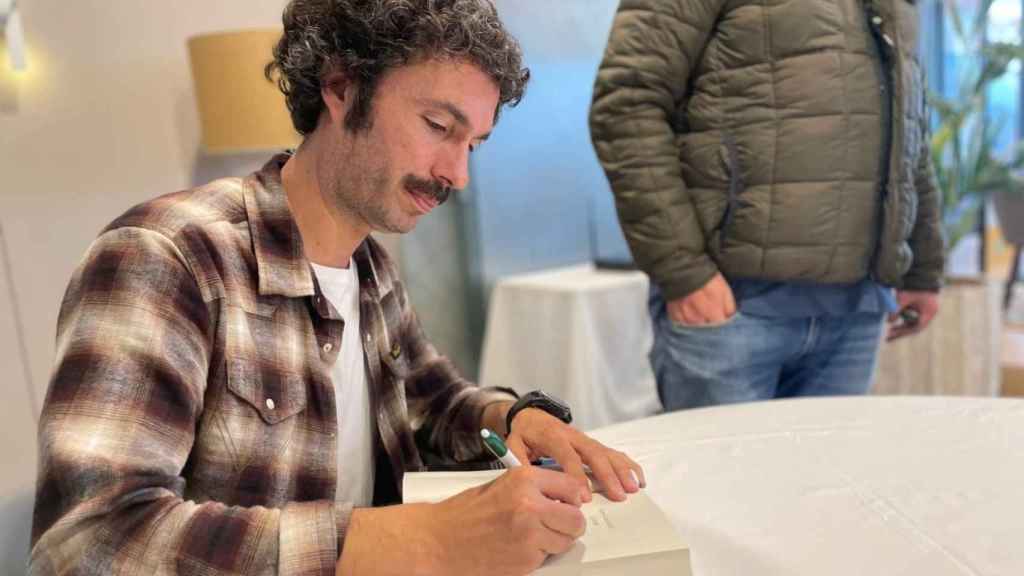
pixel 426 119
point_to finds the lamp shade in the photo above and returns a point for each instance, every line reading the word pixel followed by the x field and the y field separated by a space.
pixel 240 111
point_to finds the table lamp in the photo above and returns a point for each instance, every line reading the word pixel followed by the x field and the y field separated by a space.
pixel 240 111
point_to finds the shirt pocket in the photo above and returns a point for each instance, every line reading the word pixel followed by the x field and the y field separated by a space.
pixel 261 425
pixel 260 415
pixel 274 395
pixel 265 364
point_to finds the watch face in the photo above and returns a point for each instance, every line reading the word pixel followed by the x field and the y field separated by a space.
pixel 541 401
pixel 552 406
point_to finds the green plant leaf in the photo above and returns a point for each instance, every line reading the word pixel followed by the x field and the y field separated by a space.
pixel 963 144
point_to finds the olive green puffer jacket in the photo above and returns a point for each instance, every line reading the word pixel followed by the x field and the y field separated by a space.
pixel 750 137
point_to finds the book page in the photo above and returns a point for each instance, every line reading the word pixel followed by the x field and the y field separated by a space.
pixel 436 486
pixel 636 527
pixel 621 529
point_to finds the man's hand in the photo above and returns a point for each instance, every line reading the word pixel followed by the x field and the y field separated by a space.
pixel 506 527
pixel 536 433
pixel 510 525
pixel 712 304
pixel 924 304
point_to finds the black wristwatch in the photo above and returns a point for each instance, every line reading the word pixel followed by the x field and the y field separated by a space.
pixel 542 401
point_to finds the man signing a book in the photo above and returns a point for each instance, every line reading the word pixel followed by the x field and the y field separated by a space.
pixel 240 381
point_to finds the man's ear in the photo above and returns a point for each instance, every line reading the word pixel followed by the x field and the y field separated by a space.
pixel 337 93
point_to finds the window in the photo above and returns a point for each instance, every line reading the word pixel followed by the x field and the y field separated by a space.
pixel 943 57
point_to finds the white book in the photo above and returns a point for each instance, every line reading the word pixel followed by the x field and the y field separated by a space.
pixel 633 536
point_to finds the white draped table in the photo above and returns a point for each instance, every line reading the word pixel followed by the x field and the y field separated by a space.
pixel 579 333
pixel 886 486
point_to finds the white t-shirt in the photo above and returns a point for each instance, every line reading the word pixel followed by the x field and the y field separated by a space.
pixel 355 425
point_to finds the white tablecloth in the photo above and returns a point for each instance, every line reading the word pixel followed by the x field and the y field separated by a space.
pixel 841 486
pixel 578 333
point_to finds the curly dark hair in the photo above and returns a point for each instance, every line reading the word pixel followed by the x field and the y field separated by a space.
pixel 366 38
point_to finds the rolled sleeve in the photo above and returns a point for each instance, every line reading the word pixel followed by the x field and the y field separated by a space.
pixel 312 535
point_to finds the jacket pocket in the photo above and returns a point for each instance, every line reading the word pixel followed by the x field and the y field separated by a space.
pixel 729 155
pixel 908 218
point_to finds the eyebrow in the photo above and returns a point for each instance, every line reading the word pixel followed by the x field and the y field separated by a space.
pixel 452 109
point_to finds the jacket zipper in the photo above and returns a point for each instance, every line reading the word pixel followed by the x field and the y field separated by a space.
pixel 883 68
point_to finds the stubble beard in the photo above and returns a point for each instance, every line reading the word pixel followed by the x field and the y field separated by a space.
pixel 364 192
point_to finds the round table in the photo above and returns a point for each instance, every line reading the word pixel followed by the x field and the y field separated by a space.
pixel 858 485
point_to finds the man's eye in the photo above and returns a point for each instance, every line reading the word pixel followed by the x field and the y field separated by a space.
pixel 435 126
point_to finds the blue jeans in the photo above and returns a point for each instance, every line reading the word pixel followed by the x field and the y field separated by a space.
pixel 750 358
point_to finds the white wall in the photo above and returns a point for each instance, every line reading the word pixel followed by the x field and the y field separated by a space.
pixel 17 422
pixel 104 119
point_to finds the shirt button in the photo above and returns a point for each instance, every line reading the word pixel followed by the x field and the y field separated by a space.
pixel 270 403
pixel 876 20
pixel 367 338
pixel 328 347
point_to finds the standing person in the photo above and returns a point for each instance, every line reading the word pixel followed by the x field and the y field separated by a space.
pixel 771 172
pixel 240 381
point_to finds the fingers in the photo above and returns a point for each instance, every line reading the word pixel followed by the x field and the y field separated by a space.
pixel 678 312
pixel 563 524
pixel 515 443
pixel 572 464
pixel 605 473
pixel 709 309
pixel 901 330
pixel 897 332
pixel 722 298
pixel 730 302
pixel 713 304
pixel 695 310
pixel 630 474
pixel 557 485
pixel 692 317
pixel 617 473
pixel 554 543
pixel 899 324
pixel 563 519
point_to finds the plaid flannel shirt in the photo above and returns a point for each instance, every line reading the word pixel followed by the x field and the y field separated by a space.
pixel 190 424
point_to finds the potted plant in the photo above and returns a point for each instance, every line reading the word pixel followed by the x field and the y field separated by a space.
pixel 967 167
pixel 959 353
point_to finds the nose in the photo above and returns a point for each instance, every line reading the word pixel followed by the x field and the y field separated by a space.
pixel 452 167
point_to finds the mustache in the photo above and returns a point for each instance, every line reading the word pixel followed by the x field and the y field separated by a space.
pixel 429 188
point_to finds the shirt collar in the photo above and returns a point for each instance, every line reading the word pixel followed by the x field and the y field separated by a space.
pixel 281 263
